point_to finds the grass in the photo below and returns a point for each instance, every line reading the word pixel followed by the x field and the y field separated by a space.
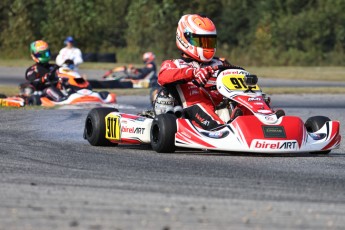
pixel 329 73
pixel 85 65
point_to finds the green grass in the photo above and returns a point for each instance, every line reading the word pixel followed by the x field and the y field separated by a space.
pixel 85 65
pixel 329 73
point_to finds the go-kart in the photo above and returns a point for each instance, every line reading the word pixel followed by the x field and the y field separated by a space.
pixel 11 101
pixel 258 129
pixel 121 77
pixel 75 88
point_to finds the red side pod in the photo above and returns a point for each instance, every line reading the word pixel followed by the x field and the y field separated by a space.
pixel 252 128
pixel 187 133
pixel 335 136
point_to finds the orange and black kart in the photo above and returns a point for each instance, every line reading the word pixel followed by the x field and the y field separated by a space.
pixel 75 89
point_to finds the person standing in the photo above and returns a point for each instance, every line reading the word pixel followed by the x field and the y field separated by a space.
pixel 70 53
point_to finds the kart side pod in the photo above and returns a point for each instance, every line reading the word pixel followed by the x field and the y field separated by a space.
pixel 106 126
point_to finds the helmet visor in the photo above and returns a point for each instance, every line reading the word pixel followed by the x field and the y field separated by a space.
pixel 204 41
pixel 43 54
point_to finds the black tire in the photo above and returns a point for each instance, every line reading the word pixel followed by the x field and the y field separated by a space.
pixel 3 96
pixel 94 131
pixel 314 124
pixel 106 57
pixel 162 133
pixel 90 57
pixel 34 100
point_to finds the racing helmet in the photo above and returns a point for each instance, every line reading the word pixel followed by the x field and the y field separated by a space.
pixel 196 36
pixel 148 57
pixel 40 51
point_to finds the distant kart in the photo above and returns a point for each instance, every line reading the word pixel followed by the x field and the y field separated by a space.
pixel 11 101
pixel 76 89
pixel 121 77
pixel 259 129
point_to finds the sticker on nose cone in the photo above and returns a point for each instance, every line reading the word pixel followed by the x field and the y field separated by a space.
pixel 273 145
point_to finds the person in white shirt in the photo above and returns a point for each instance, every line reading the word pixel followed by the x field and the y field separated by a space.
pixel 69 53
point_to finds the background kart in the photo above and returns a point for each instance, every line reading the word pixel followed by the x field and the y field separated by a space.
pixel 121 77
pixel 75 88
pixel 260 129
pixel 11 101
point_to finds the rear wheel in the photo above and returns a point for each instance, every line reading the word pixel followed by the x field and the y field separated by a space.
pixel 94 131
pixel 314 124
pixel 163 131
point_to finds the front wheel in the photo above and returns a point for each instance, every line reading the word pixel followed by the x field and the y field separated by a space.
pixel 163 131
pixel 94 131
pixel 314 124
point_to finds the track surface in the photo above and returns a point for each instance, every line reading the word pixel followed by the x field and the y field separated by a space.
pixel 53 179
pixel 15 76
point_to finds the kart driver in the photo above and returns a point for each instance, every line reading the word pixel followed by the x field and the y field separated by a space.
pixel 42 75
pixel 196 37
pixel 148 71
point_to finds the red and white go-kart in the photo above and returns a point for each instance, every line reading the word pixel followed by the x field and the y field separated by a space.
pixel 259 128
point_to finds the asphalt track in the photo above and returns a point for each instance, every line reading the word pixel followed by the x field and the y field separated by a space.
pixel 53 179
pixel 15 76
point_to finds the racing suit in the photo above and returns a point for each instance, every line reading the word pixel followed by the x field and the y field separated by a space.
pixel 73 54
pixel 39 77
pixel 176 75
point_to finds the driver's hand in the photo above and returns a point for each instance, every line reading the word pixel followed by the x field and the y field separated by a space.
pixel 203 74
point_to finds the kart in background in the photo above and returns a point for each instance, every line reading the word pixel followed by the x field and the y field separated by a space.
pixel 11 101
pixel 74 87
pixel 259 129
pixel 121 77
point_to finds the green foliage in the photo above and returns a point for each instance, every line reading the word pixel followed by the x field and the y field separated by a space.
pixel 250 32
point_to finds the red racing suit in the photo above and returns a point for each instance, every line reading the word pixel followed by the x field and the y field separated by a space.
pixel 176 75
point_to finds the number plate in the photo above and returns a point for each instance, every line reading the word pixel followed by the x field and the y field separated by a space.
pixel 236 82
pixel 112 127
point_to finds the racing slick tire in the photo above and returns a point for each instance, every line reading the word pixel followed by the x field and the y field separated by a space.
pixel 94 131
pixel 314 124
pixel 162 133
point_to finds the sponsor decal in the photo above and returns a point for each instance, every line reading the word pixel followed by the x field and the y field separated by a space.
pixel 254 99
pixel 181 41
pixel 194 92
pixel 216 134
pixel 269 118
pixel 202 120
pixel 140 119
pixel 230 72
pixel 137 130
pixel 283 145
pixel 274 131
pixel 264 111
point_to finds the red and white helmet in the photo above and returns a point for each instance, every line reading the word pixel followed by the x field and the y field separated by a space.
pixel 196 36
pixel 148 57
